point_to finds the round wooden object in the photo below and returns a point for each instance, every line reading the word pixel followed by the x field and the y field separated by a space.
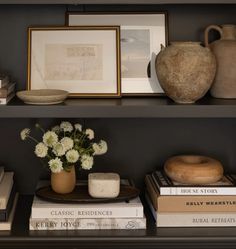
pixel 193 169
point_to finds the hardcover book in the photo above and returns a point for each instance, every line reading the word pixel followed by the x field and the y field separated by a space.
pixel 87 224
pixel 44 209
pixel 226 186
pixel 4 213
pixel 4 80
pixel 5 189
pixel 6 225
pixel 4 101
pixel 187 203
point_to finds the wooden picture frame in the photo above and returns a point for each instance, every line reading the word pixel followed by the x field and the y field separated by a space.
pixel 145 30
pixel 83 60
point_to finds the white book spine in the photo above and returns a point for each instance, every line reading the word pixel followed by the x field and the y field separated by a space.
pixel 196 220
pixel 198 191
pixel 87 224
pixel 87 212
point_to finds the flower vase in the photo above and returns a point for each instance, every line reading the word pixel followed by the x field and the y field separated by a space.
pixel 64 182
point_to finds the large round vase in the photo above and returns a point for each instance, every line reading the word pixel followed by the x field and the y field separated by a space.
pixel 185 71
pixel 224 49
pixel 64 182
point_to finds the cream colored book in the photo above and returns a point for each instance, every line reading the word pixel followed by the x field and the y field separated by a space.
pixel 6 225
pixel 88 224
pixel 5 189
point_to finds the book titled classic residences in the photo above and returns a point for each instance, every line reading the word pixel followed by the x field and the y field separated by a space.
pixel 226 186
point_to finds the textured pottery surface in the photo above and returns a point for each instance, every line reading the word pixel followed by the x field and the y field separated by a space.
pixel 186 71
pixel 63 182
pixel 224 85
pixel 43 96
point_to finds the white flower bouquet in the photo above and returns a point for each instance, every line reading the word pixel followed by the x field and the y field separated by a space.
pixel 66 145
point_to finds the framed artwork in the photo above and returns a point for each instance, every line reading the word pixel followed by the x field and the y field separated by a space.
pixel 141 37
pixel 83 60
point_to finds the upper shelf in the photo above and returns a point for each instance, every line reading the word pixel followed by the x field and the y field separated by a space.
pixel 127 107
pixel 78 2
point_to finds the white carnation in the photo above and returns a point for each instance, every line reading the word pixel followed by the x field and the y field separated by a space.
pixel 68 143
pixel 58 149
pixel 90 133
pixel 66 126
pixel 50 138
pixel 56 129
pixel 78 127
pixel 72 156
pixel 25 133
pixel 86 162
pixel 41 150
pixel 100 148
pixel 55 165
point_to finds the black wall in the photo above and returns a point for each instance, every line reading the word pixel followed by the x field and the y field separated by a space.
pixel 136 146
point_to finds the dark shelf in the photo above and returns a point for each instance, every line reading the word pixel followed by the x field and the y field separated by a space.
pixel 116 1
pixel 127 107
pixel 21 237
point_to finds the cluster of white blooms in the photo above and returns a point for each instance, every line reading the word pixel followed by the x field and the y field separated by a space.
pixel 25 133
pixel 90 133
pixel 65 145
pixel 50 138
pixel 41 150
pixel 100 148
pixel 55 165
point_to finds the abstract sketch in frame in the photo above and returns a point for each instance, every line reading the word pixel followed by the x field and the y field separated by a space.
pixel 141 37
pixel 83 60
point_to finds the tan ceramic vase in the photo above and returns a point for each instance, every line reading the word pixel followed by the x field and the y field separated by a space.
pixel 224 85
pixel 63 182
pixel 185 71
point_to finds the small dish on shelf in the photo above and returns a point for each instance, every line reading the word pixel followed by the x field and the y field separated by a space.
pixel 43 96
pixel 80 195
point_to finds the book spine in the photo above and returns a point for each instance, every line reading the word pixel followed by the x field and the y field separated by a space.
pixel 151 191
pixel 6 91
pixel 198 191
pixel 88 224
pixel 96 212
pixel 196 220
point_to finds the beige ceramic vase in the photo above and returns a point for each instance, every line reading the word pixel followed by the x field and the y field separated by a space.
pixel 185 71
pixel 224 85
pixel 63 182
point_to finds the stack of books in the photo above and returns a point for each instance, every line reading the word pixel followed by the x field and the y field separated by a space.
pixel 177 205
pixel 47 215
pixel 7 89
pixel 8 199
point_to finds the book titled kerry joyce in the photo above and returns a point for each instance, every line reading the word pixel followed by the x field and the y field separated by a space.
pixel 88 224
pixel 226 186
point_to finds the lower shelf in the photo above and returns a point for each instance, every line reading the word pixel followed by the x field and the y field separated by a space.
pixel 152 237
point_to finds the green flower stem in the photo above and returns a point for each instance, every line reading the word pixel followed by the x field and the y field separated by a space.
pixel 33 139
pixel 40 128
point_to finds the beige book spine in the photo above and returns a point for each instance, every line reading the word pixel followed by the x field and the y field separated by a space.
pixel 165 204
pixel 5 189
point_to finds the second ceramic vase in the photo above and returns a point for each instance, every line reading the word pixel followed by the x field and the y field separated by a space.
pixel 186 71
pixel 224 85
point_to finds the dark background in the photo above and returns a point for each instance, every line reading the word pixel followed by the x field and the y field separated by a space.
pixel 136 146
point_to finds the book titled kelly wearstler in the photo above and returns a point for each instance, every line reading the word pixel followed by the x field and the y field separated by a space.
pixel 226 186
pixel 44 209
pixel 87 224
